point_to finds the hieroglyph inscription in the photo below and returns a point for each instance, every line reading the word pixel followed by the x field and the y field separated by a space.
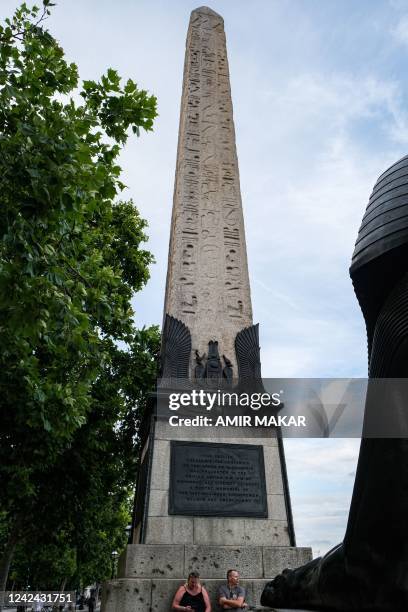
pixel 207 271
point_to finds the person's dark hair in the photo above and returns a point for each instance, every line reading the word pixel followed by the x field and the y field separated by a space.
pixel 194 575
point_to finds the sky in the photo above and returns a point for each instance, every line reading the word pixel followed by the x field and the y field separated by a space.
pixel 320 109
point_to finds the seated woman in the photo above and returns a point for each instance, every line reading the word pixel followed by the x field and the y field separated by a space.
pixel 192 596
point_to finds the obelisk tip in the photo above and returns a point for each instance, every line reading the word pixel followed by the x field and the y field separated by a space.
pixel 205 10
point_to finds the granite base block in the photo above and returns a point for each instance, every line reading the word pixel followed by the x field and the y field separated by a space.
pixel 152 561
pixel 176 561
pixel 278 558
pixel 215 561
pixel 127 595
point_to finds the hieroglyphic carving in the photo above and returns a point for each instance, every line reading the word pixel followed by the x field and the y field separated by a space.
pixel 208 284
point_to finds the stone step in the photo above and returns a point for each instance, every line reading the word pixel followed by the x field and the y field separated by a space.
pixel 156 595
pixel 212 562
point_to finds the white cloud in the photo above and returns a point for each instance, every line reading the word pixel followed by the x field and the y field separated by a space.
pixel 331 459
pixel 400 31
pixel 311 190
pixel 321 475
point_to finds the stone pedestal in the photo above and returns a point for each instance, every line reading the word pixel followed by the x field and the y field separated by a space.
pixel 161 528
pixel 149 574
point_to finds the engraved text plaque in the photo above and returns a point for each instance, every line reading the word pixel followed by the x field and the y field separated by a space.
pixel 217 480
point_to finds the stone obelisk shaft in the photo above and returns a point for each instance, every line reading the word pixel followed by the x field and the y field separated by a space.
pixel 207 280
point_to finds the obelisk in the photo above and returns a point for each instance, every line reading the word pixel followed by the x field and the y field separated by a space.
pixel 205 500
pixel 207 281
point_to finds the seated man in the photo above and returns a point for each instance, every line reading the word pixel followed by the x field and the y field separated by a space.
pixel 231 596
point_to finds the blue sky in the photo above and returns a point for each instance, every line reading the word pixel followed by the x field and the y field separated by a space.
pixel 320 107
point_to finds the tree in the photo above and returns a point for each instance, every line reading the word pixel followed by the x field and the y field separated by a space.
pixel 86 496
pixel 70 256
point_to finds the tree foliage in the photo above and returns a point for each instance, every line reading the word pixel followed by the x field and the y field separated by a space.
pixel 71 258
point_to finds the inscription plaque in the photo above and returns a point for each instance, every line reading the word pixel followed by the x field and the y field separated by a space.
pixel 209 479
